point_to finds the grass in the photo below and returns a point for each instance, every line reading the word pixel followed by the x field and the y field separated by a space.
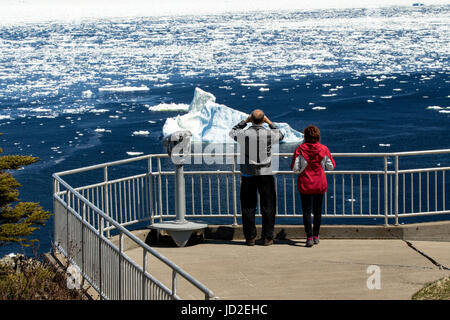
pixel 438 290
pixel 35 280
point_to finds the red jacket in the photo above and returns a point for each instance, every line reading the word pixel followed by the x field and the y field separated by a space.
pixel 312 179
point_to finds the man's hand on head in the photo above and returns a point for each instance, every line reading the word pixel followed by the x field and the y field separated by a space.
pixel 266 120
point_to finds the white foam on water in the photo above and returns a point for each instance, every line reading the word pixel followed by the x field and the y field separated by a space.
pixel 444 111
pixel 370 101
pixel 319 108
pixel 384 144
pixel 4 117
pixel 169 107
pixel 434 108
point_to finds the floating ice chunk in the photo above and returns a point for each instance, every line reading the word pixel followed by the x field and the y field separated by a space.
pixel 160 85
pixel 87 94
pixel 169 107
pixel 101 130
pixel 254 84
pixel 40 109
pixel 141 133
pixel 98 110
pixel 211 122
pixel 134 153
pixel 124 89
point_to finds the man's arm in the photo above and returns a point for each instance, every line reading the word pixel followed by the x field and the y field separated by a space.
pixel 276 134
pixel 238 129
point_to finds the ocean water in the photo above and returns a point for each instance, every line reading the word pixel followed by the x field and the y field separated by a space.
pixel 81 93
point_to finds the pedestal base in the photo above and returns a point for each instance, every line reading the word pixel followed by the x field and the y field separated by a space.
pixel 180 231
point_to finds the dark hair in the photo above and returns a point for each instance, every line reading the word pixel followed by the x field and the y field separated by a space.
pixel 258 119
pixel 312 134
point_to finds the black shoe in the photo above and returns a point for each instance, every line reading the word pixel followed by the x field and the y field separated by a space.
pixel 250 242
pixel 268 242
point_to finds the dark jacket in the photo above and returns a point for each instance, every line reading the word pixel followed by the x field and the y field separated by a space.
pixel 256 147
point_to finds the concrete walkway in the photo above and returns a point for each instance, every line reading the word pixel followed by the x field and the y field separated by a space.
pixel 334 269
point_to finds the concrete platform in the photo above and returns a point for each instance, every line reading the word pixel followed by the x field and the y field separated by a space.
pixel 287 270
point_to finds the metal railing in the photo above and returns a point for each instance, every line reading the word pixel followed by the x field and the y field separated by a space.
pixel 79 230
pixel 85 215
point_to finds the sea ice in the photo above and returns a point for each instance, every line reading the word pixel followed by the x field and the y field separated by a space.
pixel 141 133
pixel 210 122
pixel 134 153
pixel 169 107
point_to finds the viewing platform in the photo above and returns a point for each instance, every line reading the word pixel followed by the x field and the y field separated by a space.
pixel 287 270
pixel 104 213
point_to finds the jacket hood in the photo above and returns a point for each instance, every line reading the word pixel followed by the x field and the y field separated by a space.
pixel 309 150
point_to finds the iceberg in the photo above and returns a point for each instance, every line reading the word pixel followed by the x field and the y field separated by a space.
pixel 211 122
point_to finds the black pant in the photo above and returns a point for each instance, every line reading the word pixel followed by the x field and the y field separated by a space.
pixel 265 186
pixel 312 204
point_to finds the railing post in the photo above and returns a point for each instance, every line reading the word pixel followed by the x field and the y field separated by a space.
pixel 106 193
pixel 386 199
pixel 67 225
pixel 144 270
pixel 160 190
pixel 120 263
pixel 100 239
pixel 55 192
pixel 174 283
pixel 82 237
pixel 150 176
pixel 396 190
pixel 234 194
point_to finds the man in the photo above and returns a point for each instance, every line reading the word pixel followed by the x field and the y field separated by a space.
pixel 256 174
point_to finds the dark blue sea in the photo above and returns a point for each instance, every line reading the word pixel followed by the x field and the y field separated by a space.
pixel 78 94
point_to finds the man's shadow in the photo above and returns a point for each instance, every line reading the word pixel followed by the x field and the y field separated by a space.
pixel 281 238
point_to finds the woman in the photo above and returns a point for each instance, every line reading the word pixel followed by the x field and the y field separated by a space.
pixel 310 160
